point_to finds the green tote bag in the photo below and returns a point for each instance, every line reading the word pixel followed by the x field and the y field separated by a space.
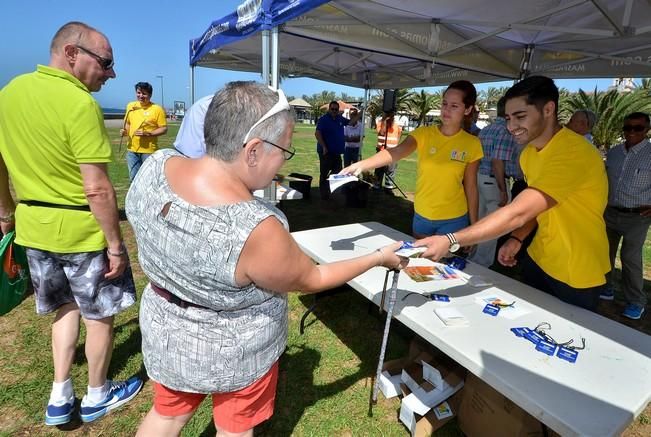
pixel 14 276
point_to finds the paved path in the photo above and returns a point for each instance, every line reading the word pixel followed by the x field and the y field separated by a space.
pixel 113 123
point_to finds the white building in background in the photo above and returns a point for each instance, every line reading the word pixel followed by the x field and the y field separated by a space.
pixel 622 85
pixel 302 110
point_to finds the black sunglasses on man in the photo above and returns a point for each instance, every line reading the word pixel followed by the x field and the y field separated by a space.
pixel 105 63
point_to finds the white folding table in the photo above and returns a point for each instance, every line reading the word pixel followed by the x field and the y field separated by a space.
pixel 600 394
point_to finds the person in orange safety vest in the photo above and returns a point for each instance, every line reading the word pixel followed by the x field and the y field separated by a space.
pixel 388 136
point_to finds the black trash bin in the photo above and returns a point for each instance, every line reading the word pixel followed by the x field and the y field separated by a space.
pixel 303 186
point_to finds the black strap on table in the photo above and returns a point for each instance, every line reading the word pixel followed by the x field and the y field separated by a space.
pixel 55 205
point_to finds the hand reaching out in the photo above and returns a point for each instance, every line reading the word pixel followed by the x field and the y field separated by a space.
pixel 354 169
pixel 390 260
pixel 508 251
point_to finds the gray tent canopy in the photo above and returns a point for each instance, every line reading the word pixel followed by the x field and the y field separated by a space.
pixel 416 43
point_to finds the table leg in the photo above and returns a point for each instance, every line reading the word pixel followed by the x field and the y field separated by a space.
pixel 385 338
pixel 307 313
pixel 384 291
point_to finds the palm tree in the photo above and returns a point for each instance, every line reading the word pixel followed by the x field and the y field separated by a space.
pixel 564 109
pixel 317 100
pixel 375 106
pixel 488 98
pixel 345 97
pixel 403 96
pixel 645 84
pixel 423 102
pixel 610 107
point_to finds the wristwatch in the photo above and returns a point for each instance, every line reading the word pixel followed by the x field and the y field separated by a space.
pixel 454 244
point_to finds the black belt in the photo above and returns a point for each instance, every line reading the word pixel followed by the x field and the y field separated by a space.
pixel 637 210
pixel 171 298
pixel 515 179
pixel 55 205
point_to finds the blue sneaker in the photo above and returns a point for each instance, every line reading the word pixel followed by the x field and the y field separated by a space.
pixel 607 294
pixel 119 393
pixel 633 311
pixel 59 414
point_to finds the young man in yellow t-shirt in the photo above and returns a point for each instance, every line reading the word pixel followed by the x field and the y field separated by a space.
pixel 144 122
pixel 567 195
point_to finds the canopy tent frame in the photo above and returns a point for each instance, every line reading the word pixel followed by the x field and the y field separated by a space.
pixel 610 36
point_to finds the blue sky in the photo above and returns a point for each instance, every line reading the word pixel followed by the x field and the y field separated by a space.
pixel 148 39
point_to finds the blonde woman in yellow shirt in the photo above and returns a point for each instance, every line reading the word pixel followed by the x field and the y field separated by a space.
pixel 446 198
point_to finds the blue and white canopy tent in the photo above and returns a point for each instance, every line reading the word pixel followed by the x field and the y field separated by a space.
pixel 416 43
pixel 375 44
pixel 252 20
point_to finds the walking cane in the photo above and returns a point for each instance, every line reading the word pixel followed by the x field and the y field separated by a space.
pixel 392 301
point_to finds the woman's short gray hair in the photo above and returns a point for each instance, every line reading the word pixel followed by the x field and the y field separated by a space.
pixel 232 112
pixel 590 117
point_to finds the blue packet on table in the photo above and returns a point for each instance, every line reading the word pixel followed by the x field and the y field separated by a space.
pixel 491 310
pixel 520 332
pixel 546 347
pixel 440 297
pixel 534 336
pixel 567 354
pixel 457 262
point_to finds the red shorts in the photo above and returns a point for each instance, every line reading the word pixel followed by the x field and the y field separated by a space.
pixel 234 412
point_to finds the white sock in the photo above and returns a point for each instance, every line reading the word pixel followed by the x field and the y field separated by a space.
pixel 97 394
pixel 61 392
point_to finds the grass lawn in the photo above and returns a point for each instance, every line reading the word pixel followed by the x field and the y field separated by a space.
pixel 325 374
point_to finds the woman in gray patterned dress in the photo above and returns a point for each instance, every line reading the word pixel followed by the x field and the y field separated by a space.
pixel 214 316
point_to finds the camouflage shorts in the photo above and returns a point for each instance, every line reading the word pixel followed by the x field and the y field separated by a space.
pixel 61 278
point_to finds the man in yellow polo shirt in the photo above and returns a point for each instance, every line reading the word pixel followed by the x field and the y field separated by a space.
pixel 567 195
pixel 144 122
pixel 54 146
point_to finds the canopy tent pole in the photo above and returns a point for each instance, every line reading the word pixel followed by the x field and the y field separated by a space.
pixel 265 57
pixel 367 92
pixel 526 61
pixel 269 193
pixel 363 119
pixel 191 85
pixel 364 106
pixel 274 58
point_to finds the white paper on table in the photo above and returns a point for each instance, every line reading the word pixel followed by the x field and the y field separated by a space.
pixel 451 316
pixel 337 180
pixel 491 294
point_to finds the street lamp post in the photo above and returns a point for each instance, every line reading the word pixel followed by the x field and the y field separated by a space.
pixel 162 93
